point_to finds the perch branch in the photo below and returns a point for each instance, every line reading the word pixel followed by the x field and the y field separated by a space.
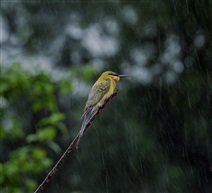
pixel 69 149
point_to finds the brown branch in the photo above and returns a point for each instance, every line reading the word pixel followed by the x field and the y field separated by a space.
pixel 69 149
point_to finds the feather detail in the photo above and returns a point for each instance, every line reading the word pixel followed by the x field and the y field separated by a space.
pixel 87 114
pixel 86 111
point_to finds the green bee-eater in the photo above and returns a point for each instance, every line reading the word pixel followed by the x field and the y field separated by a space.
pixel 101 90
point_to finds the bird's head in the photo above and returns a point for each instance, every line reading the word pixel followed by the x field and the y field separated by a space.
pixel 113 75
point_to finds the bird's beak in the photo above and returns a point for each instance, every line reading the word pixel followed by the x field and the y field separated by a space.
pixel 122 75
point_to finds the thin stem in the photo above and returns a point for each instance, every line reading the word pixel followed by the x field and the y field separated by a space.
pixel 69 149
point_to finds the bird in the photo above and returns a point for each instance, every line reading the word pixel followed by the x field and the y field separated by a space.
pixel 102 89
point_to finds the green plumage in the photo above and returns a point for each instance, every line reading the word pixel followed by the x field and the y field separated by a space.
pixel 96 94
pixel 101 90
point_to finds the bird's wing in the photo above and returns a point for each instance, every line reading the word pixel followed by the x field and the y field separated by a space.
pixel 96 94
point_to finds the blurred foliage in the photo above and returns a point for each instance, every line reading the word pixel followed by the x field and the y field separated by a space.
pixel 154 136
pixel 26 146
pixel 86 72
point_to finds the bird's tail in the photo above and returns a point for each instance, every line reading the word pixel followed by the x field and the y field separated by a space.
pixel 87 118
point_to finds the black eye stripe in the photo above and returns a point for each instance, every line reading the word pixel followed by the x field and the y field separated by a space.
pixel 113 74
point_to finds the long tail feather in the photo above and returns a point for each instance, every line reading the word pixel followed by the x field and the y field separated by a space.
pixel 87 118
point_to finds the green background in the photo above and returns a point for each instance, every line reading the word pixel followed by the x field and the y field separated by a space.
pixel 155 136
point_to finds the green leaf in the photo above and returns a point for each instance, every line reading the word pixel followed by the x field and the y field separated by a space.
pixel 46 134
pixel 31 138
pixel 53 119
pixel 66 87
pixel 38 153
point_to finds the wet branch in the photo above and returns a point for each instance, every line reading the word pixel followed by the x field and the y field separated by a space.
pixel 69 149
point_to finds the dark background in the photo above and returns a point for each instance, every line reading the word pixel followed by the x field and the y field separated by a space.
pixel 155 136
